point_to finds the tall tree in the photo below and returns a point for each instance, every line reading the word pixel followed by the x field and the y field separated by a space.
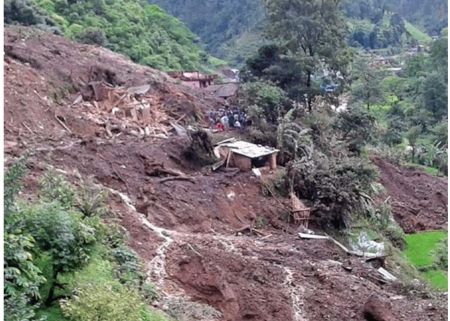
pixel 314 32
pixel 366 86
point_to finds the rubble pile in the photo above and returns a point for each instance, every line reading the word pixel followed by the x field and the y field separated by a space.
pixel 133 110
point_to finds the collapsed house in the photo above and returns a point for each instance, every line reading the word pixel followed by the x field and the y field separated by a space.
pixel 245 155
pixel 193 79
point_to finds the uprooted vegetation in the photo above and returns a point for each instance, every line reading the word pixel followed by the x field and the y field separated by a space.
pixel 206 245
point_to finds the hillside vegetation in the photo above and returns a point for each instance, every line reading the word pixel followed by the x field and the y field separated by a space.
pixel 224 26
pixel 145 33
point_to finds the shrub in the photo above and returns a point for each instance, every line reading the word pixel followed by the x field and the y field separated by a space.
pixel 93 36
pixel 183 310
pixel 106 302
pixel 263 101
pixel 336 187
pixel 55 188
pixel 441 255
pixel 91 200
pixel 129 270
pixel 62 234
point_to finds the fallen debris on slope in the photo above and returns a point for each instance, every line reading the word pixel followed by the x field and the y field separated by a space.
pixel 419 200
pixel 218 241
pixel 48 77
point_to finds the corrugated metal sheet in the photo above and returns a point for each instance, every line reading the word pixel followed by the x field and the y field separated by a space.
pixel 249 150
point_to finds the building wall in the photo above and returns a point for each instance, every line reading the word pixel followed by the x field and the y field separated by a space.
pixel 192 84
pixel 242 162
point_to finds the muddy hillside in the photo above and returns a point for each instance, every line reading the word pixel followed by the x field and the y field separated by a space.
pixel 209 237
pixel 419 200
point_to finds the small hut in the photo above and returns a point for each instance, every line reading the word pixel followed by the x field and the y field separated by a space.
pixel 300 211
pixel 246 155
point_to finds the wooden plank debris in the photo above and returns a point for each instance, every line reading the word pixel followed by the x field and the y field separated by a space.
pixel 140 111
pixel 387 275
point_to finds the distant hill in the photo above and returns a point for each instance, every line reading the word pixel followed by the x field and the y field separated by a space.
pixel 232 29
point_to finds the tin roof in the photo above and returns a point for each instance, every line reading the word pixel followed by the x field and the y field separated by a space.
pixel 248 149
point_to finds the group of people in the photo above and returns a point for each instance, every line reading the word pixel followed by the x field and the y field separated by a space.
pixel 228 118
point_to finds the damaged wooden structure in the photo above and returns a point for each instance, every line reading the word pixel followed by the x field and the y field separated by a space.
pixel 193 79
pixel 132 110
pixel 300 212
pixel 245 155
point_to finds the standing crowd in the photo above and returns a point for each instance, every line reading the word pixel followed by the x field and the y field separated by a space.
pixel 228 118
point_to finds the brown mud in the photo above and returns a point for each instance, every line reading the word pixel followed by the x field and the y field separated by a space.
pixel 186 231
pixel 419 200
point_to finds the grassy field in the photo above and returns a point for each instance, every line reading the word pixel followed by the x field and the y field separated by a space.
pixel 417 34
pixel 421 252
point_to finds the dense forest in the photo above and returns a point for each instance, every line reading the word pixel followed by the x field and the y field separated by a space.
pixel 224 27
pixel 141 31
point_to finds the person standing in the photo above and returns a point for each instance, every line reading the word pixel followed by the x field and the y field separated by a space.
pixel 225 121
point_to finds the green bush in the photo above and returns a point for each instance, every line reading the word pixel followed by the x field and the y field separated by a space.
pixel 106 302
pixel 336 187
pixel 55 188
pixel 22 278
pixel 129 270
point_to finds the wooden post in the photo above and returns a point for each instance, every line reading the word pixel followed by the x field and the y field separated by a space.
pixel 273 161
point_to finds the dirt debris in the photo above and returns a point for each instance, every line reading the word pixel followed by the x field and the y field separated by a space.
pixel 377 310
pixel 185 233
pixel 40 84
pixel 419 200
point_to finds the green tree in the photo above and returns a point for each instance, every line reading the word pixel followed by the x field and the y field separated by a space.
pixel 413 135
pixel 356 128
pixel 435 95
pixel 367 86
pixel 21 275
pixel 264 101
pixel 62 234
pixel 314 32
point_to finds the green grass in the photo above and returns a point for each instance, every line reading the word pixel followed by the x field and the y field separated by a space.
pixel 420 251
pixel 98 270
pixel 420 247
pixel 438 279
pixel 429 170
pixel 416 33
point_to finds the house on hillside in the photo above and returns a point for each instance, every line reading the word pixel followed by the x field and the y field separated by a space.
pixel 193 79
pixel 245 155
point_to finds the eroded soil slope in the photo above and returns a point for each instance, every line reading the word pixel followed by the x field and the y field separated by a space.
pixel 419 200
pixel 191 234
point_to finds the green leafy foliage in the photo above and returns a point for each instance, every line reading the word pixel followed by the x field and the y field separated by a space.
pixel 129 269
pixel 22 276
pixel 105 302
pixel 336 187
pixel 55 188
pixel 265 101
pixel 271 64
pixel 91 200
pixel 356 126
pixel 141 31
pixel 314 34
pixel 57 247
pixel 25 12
